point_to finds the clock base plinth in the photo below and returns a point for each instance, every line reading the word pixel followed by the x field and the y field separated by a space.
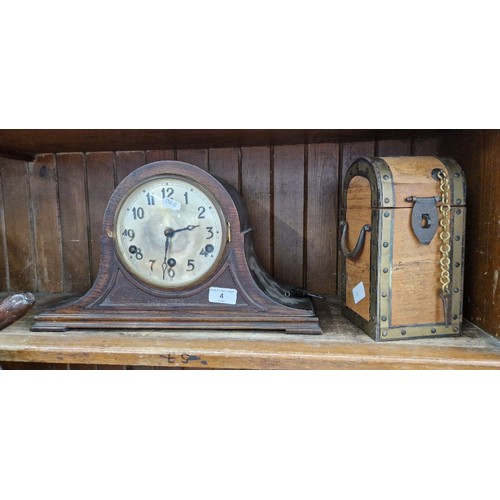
pixel 60 322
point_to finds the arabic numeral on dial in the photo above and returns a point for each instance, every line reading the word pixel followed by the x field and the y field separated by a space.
pixel 210 231
pixel 129 233
pixel 186 198
pixel 167 193
pixel 171 273
pixel 190 266
pixel 201 211
pixel 150 198
pixel 138 213
pixel 207 250
pixel 136 251
pixel 151 264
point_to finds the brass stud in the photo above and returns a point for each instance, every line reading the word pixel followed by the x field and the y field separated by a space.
pixel 385 270
pixel 457 174
pixel 386 214
pixel 457 238
pixel 386 177
pixel 386 200
pixel 457 264
pixel 455 329
pixel 455 316
pixel 459 201
pixel 433 330
pixel 385 245
pixel 458 211
pixel 456 290
pixel 384 294
pixel 384 334
pixel 384 318
pixel 403 332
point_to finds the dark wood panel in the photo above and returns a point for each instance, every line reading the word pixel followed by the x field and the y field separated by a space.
pixel 100 186
pixel 16 142
pixel 127 161
pixel 350 152
pixel 426 147
pixel 478 153
pixel 256 192
pixel 322 218
pixel 4 268
pixel 288 214
pixel 18 225
pixel 47 229
pixel 225 163
pixel 198 157
pixel 74 221
pixel 396 147
pixel 160 154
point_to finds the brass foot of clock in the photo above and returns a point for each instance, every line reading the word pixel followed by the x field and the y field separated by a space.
pixel 176 253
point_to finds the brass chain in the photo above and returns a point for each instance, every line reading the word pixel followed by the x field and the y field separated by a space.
pixel 444 262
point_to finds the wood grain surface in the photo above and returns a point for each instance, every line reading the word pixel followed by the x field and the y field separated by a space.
pixel 478 152
pixel 342 346
pixel 90 178
pixel 71 177
pixel 198 157
pixel 46 223
pixel 225 163
pixel 322 215
pixel 100 186
pixel 359 214
pixel 20 251
pixel 288 214
pixel 256 190
pixel 415 275
pixel 29 142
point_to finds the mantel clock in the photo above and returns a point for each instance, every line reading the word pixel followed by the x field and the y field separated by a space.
pixel 177 253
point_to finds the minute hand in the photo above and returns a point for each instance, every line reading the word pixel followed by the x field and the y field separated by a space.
pixel 187 228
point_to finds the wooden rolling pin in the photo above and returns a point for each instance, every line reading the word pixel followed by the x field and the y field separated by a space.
pixel 14 306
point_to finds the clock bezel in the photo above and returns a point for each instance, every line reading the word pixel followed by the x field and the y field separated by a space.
pixel 138 278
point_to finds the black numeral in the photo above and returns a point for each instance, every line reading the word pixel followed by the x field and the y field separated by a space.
pixel 167 193
pixel 201 211
pixel 151 264
pixel 186 198
pixel 150 198
pixel 129 233
pixel 171 272
pixel 190 265
pixel 207 250
pixel 136 251
pixel 138 213
pixel 210 232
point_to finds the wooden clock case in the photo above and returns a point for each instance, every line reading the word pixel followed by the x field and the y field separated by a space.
pixel 118 300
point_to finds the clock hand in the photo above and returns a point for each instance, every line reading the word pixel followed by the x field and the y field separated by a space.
pixel 173 231
pixel 164 266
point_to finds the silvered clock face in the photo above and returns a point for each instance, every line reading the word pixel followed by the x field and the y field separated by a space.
pixel 169 232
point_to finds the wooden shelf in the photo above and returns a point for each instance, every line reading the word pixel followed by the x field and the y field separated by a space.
pixel 25 144
pixel 342 346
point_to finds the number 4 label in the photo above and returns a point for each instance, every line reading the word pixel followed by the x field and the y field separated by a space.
pixel 222 295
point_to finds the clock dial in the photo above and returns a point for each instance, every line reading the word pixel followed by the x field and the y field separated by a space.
pixel 170 232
